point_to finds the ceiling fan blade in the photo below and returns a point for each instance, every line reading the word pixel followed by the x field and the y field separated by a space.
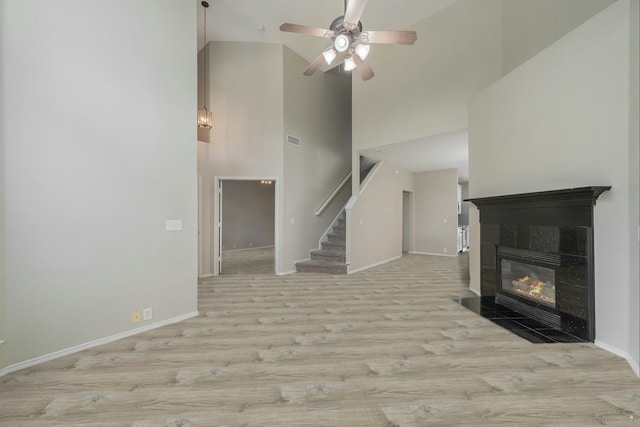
pixel 314 66
pixel 353 13
pixel 389 37
pixel 363 68
pixel 303 29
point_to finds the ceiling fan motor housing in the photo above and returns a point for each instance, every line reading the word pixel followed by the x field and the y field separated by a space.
pixel 337 26
pixel 344 37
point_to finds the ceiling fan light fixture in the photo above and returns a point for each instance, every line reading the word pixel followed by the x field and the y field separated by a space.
pixel 349 63
pixel 329 55
pixel 362 50
pixel 342 42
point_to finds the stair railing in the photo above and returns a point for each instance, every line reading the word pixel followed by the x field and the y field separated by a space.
pixel 333 195
pixel 329 229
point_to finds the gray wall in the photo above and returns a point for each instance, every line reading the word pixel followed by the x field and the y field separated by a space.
pixel 567 111
pixel 3 301
pixel 426 89
pixel 247 134
pixel 374 225
pixel 248 215
pixel 423 90
pixel 460 51
pixel 529 26
pixel 436 212
pixel 634 180
pixel 98 134
pixel 317 110
pixel 252 117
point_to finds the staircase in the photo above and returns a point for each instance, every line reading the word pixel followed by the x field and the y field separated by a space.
pixel 330 258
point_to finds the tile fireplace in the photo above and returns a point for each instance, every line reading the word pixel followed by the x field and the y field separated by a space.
pixel 537 257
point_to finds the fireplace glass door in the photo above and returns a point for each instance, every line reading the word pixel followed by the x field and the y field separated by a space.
pixel 529 281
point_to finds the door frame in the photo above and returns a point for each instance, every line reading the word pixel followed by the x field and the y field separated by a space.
pixel 407 221
pixel 200 218
pixel 217 220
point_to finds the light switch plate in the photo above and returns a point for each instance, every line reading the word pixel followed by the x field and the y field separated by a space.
pixel 173 225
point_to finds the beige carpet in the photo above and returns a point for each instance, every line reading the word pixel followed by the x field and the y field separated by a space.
pixel 384 347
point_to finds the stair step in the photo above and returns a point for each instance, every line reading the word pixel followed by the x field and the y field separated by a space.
pixel 336 237
pixel 316 266
pixel 334 246
pixel 324 255
pixel 331 258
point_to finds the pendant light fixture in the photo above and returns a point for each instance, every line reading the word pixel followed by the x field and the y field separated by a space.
pixel 204 115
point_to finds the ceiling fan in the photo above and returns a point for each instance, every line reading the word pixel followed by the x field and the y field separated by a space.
pixel 349 40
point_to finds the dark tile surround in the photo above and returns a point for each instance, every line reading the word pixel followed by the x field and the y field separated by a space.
pixel 524 327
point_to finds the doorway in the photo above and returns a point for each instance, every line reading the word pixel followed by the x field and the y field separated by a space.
pixel 246 228
pixel 407 199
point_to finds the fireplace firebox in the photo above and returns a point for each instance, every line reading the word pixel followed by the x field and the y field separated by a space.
pixel 537 257
pixel 528 281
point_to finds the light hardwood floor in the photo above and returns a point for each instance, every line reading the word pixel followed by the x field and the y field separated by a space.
pixel 249 261
pixel 384 347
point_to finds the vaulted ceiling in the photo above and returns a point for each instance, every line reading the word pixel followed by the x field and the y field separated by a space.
pixel 259 21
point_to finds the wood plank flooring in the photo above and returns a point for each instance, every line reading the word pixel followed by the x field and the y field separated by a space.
pixel 385 347
pixel 249 261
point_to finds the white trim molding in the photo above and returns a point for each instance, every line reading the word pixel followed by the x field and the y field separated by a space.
pixel 626 356
pixel 432 254
pixel 91 344
pixel 286 273
pixel 373 265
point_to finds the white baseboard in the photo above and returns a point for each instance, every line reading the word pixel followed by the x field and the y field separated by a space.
pixel 373 265
pixel 432 254
pixel 286 273
pixel 91 344
pixel 206 276
pixel 247 249
pixel 623 354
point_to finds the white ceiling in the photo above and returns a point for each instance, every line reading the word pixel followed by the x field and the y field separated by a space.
pixel 259 21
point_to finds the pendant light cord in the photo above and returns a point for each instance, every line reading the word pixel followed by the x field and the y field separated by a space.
pixel 206 56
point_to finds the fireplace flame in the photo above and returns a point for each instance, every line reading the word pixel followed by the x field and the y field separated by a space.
pixel 535 288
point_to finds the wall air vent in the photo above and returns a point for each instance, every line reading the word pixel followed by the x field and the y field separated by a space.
pixel 293 140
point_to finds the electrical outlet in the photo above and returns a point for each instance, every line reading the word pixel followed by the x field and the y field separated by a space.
pixel 136 317
pixel 147 313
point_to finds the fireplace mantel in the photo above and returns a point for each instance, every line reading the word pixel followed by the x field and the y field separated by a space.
pixel 583 196
pixel 568 207
pixel 549 229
